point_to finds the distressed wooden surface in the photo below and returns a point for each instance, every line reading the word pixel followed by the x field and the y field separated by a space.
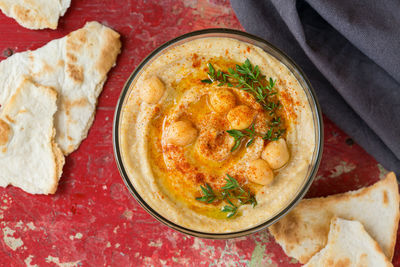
pixel 92 220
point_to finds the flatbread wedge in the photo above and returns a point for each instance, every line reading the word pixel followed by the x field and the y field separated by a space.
pixel 29 157
pixel 304 231
pixel 349 245
pixel 35 14
pixel 76 67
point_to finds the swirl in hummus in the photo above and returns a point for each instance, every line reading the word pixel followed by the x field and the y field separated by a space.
pixel 179 133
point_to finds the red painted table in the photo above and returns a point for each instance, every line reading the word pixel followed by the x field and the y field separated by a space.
pixel 92 220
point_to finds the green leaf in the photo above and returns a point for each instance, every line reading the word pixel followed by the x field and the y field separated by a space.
pixel 205 192
pixel 231 214
pixel 209 188
pixel 206 81
pixel 211 70
pixel 247 63
pixel 231 183
pixel 250 142
pixel 231 190
pixel 236 146
pixel 203 198
pixel 257 71
pixel 235 133
pixel 271 83
pixel 227 209
pixel 211 199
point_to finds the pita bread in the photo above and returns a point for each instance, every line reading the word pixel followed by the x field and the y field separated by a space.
pixel 349 245
pixel 304 231
pixel 76 67
pixel 35 14
pixel 29 157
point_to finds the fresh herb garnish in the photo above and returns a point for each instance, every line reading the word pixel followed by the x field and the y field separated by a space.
pixel 231 192
pixel 245 77
pixel 208 194
pixel 239 135
pixel 248 78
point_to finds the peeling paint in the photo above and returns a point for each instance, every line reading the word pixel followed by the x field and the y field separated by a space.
pixel 197 243
pixel 230 255
pixel 318 177
pixel 128 214
pixel 6 200
pixel 343 167
pixel 156 244
pixel 10 241
pixel 257 255
pixel 76 236
pixel 28 261
pixel 31 226
pixel 382 171
pixel 56 261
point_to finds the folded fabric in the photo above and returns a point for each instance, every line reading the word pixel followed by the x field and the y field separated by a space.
pixel 350 51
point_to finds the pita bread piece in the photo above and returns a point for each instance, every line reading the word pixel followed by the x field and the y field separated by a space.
pixel 76 67
pixel 35 14
pixel 349 245
pixel 29 157
pixel 304 231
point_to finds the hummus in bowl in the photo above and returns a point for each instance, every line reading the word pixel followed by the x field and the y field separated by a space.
pixel 217 134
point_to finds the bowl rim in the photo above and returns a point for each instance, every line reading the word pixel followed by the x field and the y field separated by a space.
pixel 125 177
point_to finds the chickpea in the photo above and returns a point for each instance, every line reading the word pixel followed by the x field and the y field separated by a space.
pixel 181 133
pixel 276 153
pixel 152 90
pixel 240 117
pixel 259 172
pixel 222 100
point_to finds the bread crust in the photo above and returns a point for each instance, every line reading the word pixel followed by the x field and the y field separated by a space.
pixel 298 227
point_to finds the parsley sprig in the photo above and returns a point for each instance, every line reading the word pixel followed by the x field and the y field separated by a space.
pixel 231 192
pixel 249 78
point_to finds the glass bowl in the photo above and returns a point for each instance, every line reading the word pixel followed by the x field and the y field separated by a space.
pixel 269 49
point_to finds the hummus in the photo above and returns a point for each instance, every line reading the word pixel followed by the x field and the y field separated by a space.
pixel 174 138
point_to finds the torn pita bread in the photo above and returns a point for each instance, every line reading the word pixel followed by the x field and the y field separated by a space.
pixel 304 231
pixel 29 157
pixel 349 245
pixel 76 67
pixel 35 14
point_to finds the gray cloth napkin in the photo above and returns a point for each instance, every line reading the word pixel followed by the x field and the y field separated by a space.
pixel 350 51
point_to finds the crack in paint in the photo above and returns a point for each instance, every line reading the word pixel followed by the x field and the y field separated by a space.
pixel 343 167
